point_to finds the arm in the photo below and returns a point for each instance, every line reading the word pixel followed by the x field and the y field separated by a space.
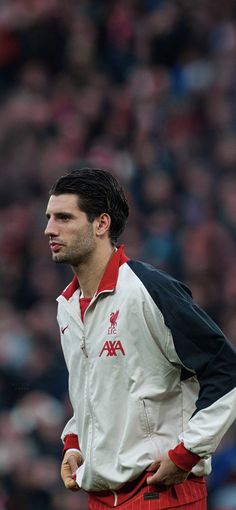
pixel 72 457
pixel 204 351
pixel 198 345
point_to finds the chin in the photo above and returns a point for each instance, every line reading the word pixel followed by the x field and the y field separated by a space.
pixel 57 258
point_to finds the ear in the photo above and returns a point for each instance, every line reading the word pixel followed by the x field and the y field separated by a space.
pixel 103 223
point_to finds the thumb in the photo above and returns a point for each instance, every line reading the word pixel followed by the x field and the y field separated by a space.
pixel 154 465
pixel 69 466
pixel 73 463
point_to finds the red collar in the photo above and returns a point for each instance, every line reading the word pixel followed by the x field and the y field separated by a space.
pixel 109 278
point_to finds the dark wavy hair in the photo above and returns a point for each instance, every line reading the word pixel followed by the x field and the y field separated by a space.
pixel 98 192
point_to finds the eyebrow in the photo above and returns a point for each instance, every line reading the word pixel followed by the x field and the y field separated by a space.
pixel 60 214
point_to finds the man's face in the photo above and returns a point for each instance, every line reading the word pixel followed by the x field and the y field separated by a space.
pixel 71 236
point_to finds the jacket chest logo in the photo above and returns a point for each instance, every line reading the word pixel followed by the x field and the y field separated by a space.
pixel 113 323
pixel 111 347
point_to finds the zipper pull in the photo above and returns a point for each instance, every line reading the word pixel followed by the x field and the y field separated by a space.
pixel 83 347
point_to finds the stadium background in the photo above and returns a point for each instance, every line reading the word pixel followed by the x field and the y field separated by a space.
pixel 148 89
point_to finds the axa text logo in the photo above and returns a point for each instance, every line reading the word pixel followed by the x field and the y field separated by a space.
pixel 111 348
pixel 113 322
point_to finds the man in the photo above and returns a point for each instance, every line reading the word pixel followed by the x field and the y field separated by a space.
pixel 151 376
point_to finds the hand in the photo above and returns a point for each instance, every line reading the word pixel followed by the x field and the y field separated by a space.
pixel 165 472
pixel 70 463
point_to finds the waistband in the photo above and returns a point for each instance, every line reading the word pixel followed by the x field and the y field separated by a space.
pixel 113 498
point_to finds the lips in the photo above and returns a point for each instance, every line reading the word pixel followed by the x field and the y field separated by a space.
pixel 55 247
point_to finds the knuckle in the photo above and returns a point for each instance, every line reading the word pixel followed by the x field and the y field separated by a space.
pixel 69 484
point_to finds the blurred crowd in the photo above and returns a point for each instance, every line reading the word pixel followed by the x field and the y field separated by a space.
pixel 146 88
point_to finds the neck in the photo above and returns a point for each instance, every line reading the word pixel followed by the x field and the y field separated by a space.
pixel 89 273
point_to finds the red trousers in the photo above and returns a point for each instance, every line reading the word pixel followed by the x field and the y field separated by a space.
pixel 189 495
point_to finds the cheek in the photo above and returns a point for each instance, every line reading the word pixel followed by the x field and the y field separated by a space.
pixel 84 236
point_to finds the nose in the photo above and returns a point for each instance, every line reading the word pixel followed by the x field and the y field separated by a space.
pixel 51 228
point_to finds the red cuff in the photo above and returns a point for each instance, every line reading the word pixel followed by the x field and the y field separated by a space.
pixel 183 458
pixel 70 441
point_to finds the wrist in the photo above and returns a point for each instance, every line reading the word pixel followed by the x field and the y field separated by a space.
pixel 71 443
pixel 183 458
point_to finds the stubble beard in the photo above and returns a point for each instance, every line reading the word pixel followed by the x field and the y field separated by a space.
pixel 79 252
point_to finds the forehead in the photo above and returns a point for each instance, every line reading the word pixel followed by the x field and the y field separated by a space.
pixel 66 202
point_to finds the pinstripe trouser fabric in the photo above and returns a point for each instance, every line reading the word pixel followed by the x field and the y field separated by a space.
pixel 188 495
pixel 139 504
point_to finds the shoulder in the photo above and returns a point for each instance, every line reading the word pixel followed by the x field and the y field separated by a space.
pixel 160 285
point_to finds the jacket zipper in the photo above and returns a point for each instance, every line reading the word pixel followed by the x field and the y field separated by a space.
pixel 82 343
pixel 83 346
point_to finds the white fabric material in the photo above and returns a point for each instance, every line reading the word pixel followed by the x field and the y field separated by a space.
pixel 130 406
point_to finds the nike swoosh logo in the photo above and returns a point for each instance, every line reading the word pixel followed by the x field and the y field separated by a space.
pixel 63 329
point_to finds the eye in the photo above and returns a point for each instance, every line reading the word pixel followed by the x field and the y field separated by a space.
pixel 64 217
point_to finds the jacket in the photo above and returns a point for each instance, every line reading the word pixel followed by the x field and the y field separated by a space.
pixel 148 370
